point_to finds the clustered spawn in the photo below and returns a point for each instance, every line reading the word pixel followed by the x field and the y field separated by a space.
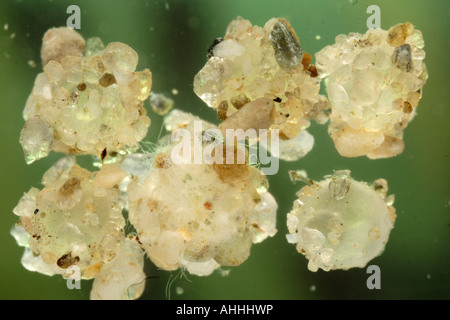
pixel 251 63
pixel 219 210
pixel 340 223
pixel 374 84
pixel 89 104
pixel 200 214
pixel 76 220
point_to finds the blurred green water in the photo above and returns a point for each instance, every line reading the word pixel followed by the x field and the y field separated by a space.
pixel 172 38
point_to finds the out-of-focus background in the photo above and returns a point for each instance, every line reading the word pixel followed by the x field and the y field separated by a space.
pixel 172 38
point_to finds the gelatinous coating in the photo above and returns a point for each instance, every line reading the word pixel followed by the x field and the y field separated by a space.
pixel 374 84
pixel 123 278
pixel 251 63
pixel 85 104
pixel 76 219
pixel 199 216
pixel 340 223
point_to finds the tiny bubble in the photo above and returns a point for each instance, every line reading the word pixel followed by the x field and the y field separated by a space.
pixel 224 273
pixel 174 92
pixel 318 37
pixel 312 288
pixel 179 290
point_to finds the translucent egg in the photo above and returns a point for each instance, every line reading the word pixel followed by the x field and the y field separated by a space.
pixel 340 223
pixel 198 216
pixel 76 219
pixel 252 63
pixel 374 84
pixel 85 104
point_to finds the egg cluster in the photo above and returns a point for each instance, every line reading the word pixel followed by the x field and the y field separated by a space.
pixel 76 220
pixel 89 103
pixel 250 63
pixel 340 223
pixel 374 84
pixel 220 209
pixel 199 210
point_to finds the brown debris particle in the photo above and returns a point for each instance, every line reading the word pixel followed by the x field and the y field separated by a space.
pixel 222 110
pixel 306 60
pixel 257 227
pixel 81 86
pixel 67 260
pixel 312 71
pixel 69 186
pixel 103 155
pixel 162 161
pixel 107 79
pixel 239 101
pixel 378 187
pixel 207 205
pixel 230 172
pixel 407 107
pixel 277 99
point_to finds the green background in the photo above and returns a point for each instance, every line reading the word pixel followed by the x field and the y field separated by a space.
pixel 172 38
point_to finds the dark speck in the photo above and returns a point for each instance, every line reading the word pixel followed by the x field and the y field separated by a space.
pixel 103 155
pixel 81 86
pixel 211 47
pixel 107 79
